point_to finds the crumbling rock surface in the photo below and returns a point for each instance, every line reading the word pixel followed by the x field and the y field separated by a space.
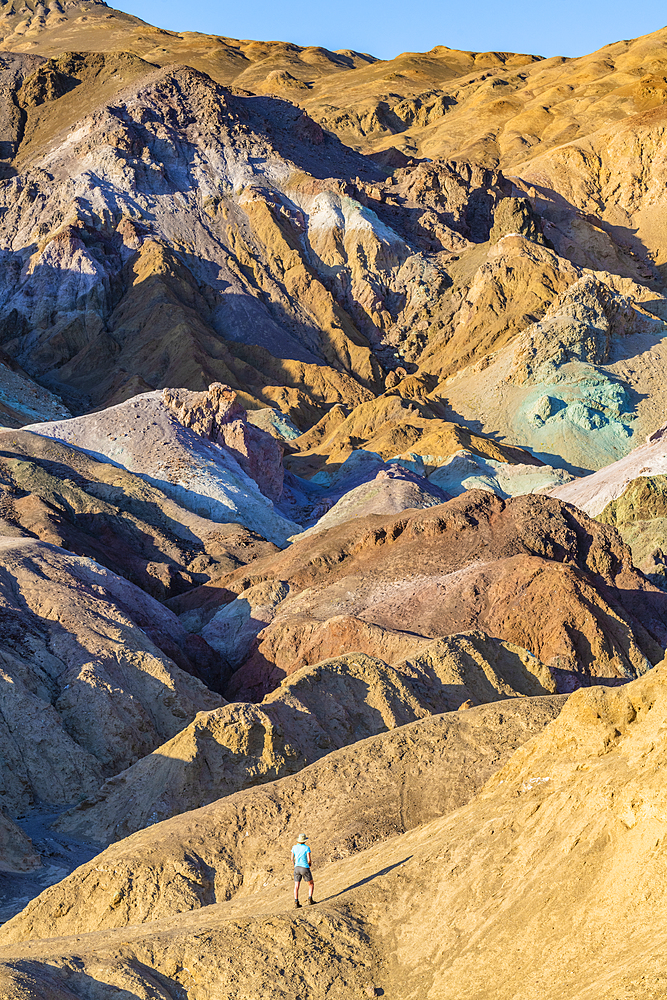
pixel 516 215
pixel 235 846
pixel 438 204
pixel 530 570
pixel 318 709
pixel 577 387
pixel 95 674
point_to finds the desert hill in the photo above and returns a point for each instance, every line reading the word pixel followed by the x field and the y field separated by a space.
pixel 495 900
pixel 64 496
pixel 174 257
pixel 95 674
pixel 474 562
pixel 202 234
pixel 94 26
pixel 498 108
pixel 438 764
pixel 333 500
pixel 319 709
pixel 177 468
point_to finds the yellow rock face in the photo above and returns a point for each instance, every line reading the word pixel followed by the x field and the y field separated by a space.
pixel 492 107
pixel 486 899
pixel 401 421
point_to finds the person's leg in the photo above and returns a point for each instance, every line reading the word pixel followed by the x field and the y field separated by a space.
pixel 297 882
pixel 311 887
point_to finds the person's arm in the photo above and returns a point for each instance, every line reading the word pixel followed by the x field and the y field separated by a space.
pixel 292 857
pixel 310 858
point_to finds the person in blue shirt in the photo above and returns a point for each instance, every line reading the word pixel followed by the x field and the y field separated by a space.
pixel 301 859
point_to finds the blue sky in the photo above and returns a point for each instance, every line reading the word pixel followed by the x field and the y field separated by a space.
pixel 387 27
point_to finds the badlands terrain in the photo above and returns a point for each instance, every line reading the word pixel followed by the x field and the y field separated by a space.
pixel 333 499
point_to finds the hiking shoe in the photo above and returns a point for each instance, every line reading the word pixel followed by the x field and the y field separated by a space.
pixel 311 901
pixel 297 904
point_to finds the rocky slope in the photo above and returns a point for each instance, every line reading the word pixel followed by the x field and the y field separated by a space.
pixel 93 508
pixel 588 788
pixel 640 517
pixel 578 387
pixel 95 674
pixel 476 562
pixel 199 449
pixel 137 259
pixel 234 847
pixel 317 710
pixel 201 235
pixel 403 422
pixel 292 345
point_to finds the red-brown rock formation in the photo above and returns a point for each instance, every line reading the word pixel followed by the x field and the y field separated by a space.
pixel 530 570
pixel 219 415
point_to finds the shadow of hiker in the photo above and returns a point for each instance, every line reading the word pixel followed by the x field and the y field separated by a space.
pixel 365 881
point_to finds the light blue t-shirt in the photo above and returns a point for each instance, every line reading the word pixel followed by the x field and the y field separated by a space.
pixel 301 852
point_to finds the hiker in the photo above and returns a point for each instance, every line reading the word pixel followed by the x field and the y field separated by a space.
pixel 301 859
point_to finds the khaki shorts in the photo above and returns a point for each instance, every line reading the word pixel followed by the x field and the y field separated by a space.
pixel 302 873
